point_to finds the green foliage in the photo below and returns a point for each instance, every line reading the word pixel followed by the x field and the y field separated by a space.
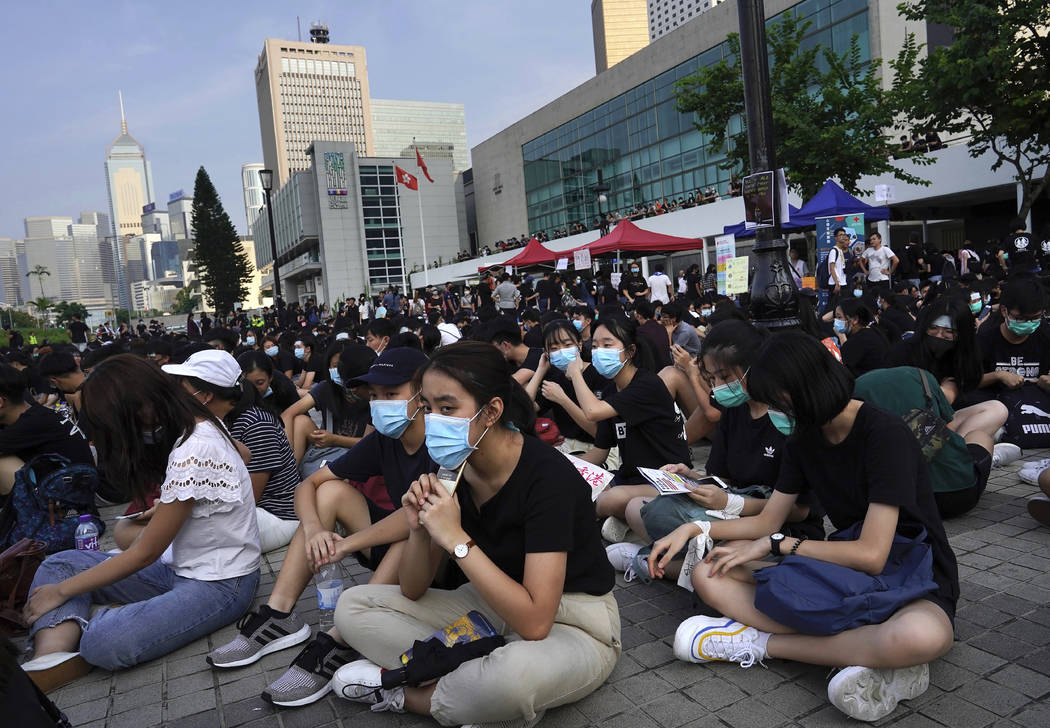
pixel 990 83
pixel 222 265
pixel 64 312
pixel 830 113
pixel 123 316
pixel 185 301
pixel 51 336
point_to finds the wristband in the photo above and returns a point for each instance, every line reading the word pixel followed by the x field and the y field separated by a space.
pixel 797 544
pixel 696 550
pixel 733 508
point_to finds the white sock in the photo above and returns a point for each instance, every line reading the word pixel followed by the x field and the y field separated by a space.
pixel 761 641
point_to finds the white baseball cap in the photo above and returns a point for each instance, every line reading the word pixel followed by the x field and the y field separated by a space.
pixel 211 365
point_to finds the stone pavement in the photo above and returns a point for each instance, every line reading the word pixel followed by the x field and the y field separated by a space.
pixel 997 674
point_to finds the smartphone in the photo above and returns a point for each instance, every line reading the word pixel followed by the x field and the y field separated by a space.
pixel 707 480
pixel 130 515
pixel 450 478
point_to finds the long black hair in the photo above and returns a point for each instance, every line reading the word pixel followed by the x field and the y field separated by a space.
pixel 625 331
pixel 733 343
pixel 482 370
pixel 137 413
pixel 963 361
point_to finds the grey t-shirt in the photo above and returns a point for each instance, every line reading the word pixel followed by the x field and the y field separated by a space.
pixel 508 294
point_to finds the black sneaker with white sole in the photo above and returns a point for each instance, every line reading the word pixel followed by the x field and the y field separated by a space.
pixel 310 677
pixel 262 633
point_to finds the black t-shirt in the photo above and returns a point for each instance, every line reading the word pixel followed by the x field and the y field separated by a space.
pixel 566 425
pixel 532 361
pixel 1043 255
pixel 346 419
pixel 879 461
pixel 935 261
pixel 41 431
pixel 909 261
pixel 545 506
pixel 648 429
pixel 79 332
pixel 657 336
pixel 864 351
pixel 632 283
pixel 1030 358
pixel 378 454
pixel 900 319
pixel 284 361
pixel 692 282
pixel 1021 250
pixel 533 338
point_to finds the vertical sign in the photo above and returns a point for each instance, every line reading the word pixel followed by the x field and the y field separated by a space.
pixel 826 226
pixel 725 249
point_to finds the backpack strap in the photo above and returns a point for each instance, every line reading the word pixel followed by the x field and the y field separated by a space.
pixel 926 389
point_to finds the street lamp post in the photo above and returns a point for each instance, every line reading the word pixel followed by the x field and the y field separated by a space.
pixel 600 189
pixel 266 178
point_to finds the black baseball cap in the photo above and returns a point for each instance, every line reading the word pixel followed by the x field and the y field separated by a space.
pixel 394 366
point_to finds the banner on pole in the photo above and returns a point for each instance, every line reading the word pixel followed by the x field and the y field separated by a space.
pixel 736 275
pixel 581 259
pixel 758 200
pixel 725 249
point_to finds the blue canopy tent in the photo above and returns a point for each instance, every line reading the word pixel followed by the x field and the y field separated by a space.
pixel 830 200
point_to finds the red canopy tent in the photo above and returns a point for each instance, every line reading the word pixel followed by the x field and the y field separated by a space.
pixel 629 238
pixel 534 253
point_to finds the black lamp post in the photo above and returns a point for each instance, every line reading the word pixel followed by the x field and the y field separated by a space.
pixel 774 294
pixel 266 179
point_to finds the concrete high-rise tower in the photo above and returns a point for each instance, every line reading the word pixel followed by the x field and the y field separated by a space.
pixel 620 28
pixel 308 92
pixel 253 192
pixel 129 182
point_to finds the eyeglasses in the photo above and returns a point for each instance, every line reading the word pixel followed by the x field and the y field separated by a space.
pixel 1033 317
pixel 941 332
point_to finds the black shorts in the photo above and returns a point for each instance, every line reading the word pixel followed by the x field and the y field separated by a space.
pixel 375 554
pixel 957 502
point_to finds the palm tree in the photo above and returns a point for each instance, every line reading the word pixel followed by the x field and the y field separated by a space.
pixel 39 271
pixel 43 303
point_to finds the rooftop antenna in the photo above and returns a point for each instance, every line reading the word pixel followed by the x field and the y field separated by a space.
pixel 299 26
pixel 123 120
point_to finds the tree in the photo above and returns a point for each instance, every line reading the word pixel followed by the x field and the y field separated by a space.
pixel 42 304
pixel 122 316
pixel 990 83
pixel 830 113
pixel 64 312
pixel 185 301
pixel 39 271
pixel 222 265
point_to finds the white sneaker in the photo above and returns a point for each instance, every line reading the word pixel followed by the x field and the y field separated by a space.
pixel 621 556
pixel 614 530
pixel 1030 471
pixel 867 694
pixel 1005 453
pixel 707 639
pixel 362 682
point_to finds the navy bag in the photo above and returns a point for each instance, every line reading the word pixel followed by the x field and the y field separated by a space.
pixel 46 502
pixel 820 598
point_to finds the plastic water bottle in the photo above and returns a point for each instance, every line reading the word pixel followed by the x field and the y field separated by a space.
pixel 87 534
pixel 329 587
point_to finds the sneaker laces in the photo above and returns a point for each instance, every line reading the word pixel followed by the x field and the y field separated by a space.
pixel 311 658
pixel 251 622
pixel 728 648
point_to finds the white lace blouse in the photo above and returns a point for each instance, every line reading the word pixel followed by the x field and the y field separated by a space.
pixel 220 539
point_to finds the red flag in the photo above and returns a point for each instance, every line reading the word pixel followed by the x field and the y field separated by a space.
pixel 421 165
pixel 406 179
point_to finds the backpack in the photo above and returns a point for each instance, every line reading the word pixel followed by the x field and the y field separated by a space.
pixel 1028 424
pixel 46 502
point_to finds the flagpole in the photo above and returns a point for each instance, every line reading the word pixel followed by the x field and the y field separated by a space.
pixel 423 235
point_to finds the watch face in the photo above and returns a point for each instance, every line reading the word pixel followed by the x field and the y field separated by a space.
pixel 778 537
pixel 460 551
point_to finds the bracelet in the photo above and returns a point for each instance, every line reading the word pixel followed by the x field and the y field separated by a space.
pixel 797 544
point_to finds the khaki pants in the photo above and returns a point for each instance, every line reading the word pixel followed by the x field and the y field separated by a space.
pixel 517 680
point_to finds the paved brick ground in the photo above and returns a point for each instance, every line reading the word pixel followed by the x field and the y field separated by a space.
pixel 998 673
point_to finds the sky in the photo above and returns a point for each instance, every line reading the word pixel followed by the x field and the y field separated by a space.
pixel 186 70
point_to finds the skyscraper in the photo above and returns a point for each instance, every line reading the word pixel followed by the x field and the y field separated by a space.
pixel 438 128
pixel 310 92
pixel 620 29
pixel 668 15
pixel 253 192
pixel 129 182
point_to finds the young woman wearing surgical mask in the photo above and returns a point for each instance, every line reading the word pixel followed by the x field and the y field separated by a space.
pixel 343 407
pixel 278 392
pixel 520 526
pixel 283 361
pixel 864 347
pixel 550 387
pixel 376 532
pixel 635 413
pixel 746 452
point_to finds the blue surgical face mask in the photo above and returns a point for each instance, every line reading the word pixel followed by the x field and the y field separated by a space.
pixel 858 292
pixel 271 351
pixel 269 391
pixel 607 362
pixel 390 416
pixel 705 312
pixel 840 326
pixel 333 374
pixel 785 424
pixel 448 439
pixel 560 358
pixel 731 394
pixel 577 324
pixel 250 341
pixel 300 353
pixel 342 336
pixel 1022 328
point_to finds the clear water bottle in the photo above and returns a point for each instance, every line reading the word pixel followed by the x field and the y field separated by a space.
pixel 87 534
pixel 329 587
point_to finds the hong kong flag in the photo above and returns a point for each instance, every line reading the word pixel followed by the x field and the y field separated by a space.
pixel 406 179
pixel 422 165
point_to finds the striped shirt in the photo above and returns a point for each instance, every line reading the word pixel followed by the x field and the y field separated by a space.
pixel 263 434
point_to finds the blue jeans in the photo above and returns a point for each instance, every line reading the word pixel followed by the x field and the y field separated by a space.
pixel 160 611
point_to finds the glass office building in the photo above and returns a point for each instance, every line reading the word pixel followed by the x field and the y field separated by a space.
pixel 382 218
pixel 645 148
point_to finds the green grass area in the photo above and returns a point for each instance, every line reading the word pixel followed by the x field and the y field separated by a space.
pixel 53 336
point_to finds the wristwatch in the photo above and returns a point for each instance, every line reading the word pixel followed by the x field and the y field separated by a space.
pixel 774 543
pixel 461 549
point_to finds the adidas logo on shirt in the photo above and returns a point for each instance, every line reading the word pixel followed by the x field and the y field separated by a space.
pixel 770 452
